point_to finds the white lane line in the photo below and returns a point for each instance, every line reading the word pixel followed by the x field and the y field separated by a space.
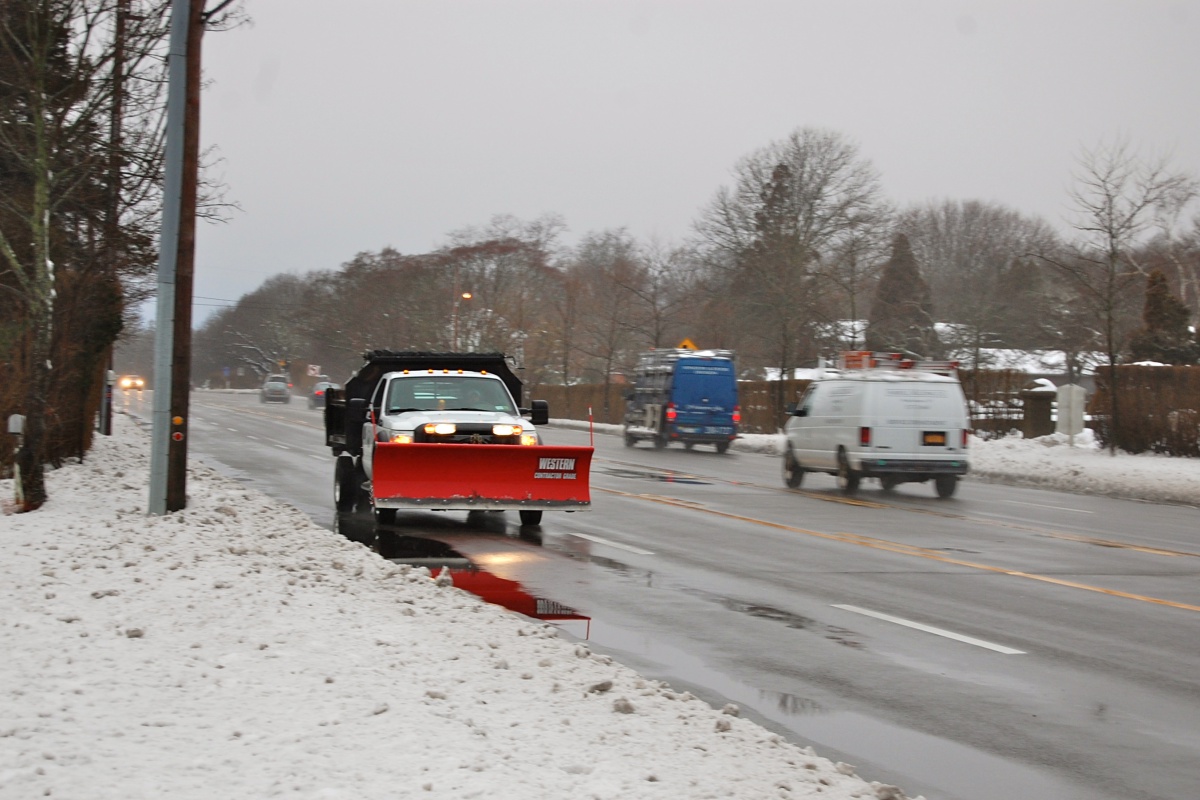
pixel 1056 508
pixel 958 637
pixel 617 545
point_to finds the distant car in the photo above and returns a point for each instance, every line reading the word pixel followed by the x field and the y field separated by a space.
pixel 316 398
pixel 275 389
pixel 129 382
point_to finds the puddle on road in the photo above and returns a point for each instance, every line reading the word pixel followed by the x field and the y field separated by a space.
pixel 436 555
pixel 646 475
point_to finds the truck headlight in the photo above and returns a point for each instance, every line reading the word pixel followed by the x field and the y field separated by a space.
pixel 440 428
pixel 529 438
pixel 506 430
pixel 401 438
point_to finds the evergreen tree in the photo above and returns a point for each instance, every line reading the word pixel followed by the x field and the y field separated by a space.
pixel 1164 335
pixel 901 317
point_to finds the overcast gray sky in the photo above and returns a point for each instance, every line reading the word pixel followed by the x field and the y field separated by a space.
pixel 352 125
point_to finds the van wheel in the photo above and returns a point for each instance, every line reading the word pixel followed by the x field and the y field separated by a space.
pixel 793 473
pixel 847 479
pixel 945 485
pixel 888 483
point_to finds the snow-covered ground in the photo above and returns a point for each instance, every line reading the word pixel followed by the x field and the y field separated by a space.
pixel 237 650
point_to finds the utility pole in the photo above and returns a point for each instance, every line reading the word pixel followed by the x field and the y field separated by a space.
pixel 181 368
pixel 112 220
pixel 170 243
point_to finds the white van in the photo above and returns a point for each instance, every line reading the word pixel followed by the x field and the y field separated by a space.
pixel 880 416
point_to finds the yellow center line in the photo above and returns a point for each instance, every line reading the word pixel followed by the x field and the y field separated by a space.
pixel 903 549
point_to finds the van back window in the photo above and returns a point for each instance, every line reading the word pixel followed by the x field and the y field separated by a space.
pixel 705 378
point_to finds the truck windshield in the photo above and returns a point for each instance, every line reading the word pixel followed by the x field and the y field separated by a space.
pixel 443 394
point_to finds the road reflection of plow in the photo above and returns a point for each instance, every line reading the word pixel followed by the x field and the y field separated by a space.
pixel 436 556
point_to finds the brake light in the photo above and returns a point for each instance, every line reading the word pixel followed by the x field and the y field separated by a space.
pixel 320 392
pixel 671 413
pixel 737 415
pixel 864 436
pixel 964 438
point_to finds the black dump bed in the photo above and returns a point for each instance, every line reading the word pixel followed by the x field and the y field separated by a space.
pixel 342 431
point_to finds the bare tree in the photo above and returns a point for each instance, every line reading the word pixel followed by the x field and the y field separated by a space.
pixel 773 237
pixel 966 250
pixel 1118 197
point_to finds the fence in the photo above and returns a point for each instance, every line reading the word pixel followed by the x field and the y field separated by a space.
pixel 1158 410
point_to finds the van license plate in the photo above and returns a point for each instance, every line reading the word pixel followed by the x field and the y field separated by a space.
pixel 933 438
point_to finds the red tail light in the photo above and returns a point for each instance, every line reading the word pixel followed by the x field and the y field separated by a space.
pixel 320 392
pixel 964 438
pixel 864 437
pixel 671 414
pixel 737 415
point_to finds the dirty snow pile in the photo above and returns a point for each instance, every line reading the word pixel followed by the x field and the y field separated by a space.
pixel 237 650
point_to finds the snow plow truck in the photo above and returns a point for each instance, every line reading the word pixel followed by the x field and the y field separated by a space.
pixel 444 432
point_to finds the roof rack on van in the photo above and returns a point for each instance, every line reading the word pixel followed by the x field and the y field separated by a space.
pixel 666 356
pixel 865 359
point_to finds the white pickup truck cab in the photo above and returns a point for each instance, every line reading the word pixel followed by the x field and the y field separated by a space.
pixel 443 406
pixel 880 416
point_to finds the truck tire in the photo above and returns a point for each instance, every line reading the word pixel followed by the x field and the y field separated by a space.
pixel 630 440
pixel 531 517
pixel 889 482
pixel 385 516
pixel 945 485
pixel 347 483
pixel 722 447
pixel 793 473
pixel 847 479
pixel 358 528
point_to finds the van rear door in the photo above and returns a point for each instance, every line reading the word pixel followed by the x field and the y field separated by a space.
pixel 915 419
pixel 705 394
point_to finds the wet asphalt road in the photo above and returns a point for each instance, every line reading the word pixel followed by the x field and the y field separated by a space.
pixel 1007 642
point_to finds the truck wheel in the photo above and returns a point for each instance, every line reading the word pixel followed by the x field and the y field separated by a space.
pixel 793 473
pixel 722 447
pixel 385 516
pixel 945 485
pixel 847 479
pixel 660 441
pixel 346 483
pixel 888 483
pixel 355 527
pixel 630 440
pixel 531 517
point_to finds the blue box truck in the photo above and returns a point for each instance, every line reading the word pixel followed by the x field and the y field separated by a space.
pixel 686 396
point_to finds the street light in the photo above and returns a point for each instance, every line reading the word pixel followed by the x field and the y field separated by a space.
pixel 457 297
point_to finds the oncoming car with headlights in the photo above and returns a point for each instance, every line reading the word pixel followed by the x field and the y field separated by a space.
pixel 132 382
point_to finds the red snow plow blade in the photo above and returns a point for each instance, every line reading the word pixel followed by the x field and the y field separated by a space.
pixel 481 476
